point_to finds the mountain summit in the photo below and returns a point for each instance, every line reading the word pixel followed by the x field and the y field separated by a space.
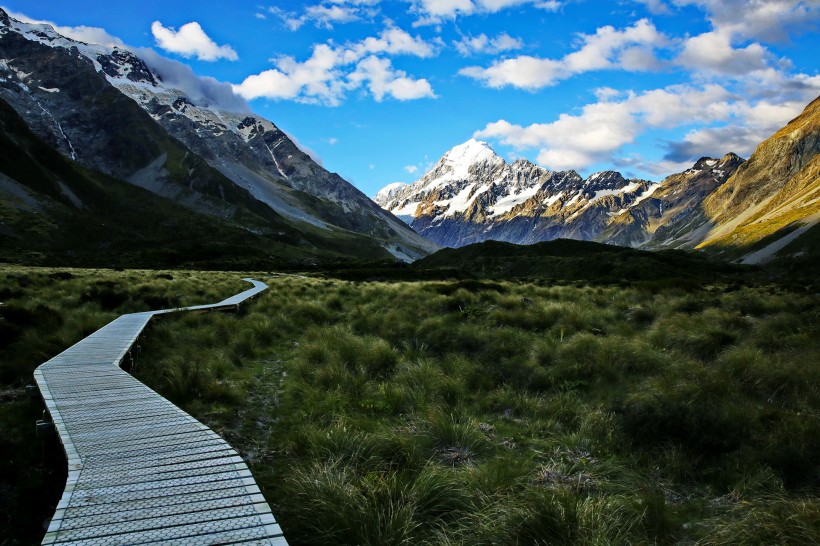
pixel 472 195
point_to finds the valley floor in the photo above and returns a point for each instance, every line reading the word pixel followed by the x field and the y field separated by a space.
pixel 463 411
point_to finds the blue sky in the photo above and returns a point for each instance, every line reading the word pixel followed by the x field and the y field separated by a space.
pixel 380 89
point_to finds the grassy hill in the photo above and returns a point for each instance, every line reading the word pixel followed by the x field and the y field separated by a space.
pixel 576 260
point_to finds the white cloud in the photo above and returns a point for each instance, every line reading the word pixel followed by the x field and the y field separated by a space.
pixel 469 45
pixel 493 6
pixel 332 141
pixel 767 20
pixel 605 48
pixel 412 169
pixel 433 12
pixel 656 7
pixel 725 123
pixel 632 48
pixel 758 121
pixel 445 8
pixel 525 71
pixel 191 41
pixel 316 80
pixel 89 35
pixel 549 5
pixel 332 71
pixel 393 41
pixel 327 13
pixel 731 48
pixel 202 90
pixel 713 52
pixel 382 79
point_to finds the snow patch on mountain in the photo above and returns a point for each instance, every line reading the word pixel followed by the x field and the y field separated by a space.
pixel 389 191
pixel 616 191
pixel 472 195
pixel 507 203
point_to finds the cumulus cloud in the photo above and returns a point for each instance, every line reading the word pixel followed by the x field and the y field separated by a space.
pixel 333 71
pixel 82 33
pixel 758 121
pixel 632 48
pixel 327 13
pixel 525 72
pixel 203 91
pixel 191 41
pixel 382 79
pixel 549 5
pixel 433 12
pixel 393 41
pixel 767 20
pixel 713 52
pixel 727 123
pixel 705 142
pixel 731 48
pixel 469 45
pixel 655 7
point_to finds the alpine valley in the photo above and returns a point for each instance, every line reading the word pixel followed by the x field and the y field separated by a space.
pixel 750 210
pixel 101 148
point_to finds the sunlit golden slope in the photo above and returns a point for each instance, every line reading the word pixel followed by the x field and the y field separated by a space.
pixel 778 188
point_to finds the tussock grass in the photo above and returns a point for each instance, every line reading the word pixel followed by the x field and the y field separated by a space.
pixel 484 412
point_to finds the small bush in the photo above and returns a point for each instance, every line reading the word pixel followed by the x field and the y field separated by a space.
pixel 700 427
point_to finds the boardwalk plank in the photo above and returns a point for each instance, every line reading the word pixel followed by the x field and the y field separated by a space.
pixel 141 470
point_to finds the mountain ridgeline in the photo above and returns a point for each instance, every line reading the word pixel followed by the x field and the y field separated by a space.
pixel 749 210
pixel 115 126
pixel 106 161
pixel 473 195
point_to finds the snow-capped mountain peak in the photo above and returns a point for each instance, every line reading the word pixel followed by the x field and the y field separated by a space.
pixel 389 191
pixel 471 194
pixel 461 162
pixel 524 203
pixel 470 153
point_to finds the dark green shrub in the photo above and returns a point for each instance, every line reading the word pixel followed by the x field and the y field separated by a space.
pixel 107 295
pixel 699 427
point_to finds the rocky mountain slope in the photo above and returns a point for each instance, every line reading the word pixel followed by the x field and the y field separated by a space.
pixel 743 210
pixel 106 109
pixel 53 211
pixel 774 198
pixel 473 195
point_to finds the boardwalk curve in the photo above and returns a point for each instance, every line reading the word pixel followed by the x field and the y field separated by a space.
pixel 141 470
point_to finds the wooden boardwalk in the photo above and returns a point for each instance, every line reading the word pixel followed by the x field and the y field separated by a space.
pixel 141 470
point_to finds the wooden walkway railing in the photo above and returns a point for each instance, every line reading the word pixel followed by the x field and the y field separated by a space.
pixel 141 470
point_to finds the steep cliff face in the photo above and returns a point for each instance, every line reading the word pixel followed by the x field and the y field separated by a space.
pixel 108 110
pixel 774 197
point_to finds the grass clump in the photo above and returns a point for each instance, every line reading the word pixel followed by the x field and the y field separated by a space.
pixel 491 411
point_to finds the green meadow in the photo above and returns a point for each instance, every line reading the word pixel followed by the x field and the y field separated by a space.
pixel 459 411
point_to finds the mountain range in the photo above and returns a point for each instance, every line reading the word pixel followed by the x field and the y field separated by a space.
pixel 111 156
pixel 117 123
pixel 747 210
